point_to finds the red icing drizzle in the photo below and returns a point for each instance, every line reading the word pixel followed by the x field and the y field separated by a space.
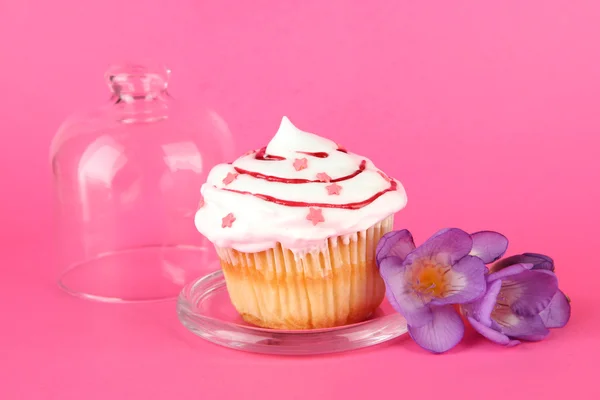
pixel 319 154
pixel 262 156
pixel 258 175
pixel 347 206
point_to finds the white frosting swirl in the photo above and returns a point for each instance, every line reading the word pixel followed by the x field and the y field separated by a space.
pixel 293 197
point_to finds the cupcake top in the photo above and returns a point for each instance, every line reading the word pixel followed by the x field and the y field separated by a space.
pixel 298 191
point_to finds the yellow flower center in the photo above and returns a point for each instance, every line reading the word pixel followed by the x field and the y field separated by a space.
pixel 430 279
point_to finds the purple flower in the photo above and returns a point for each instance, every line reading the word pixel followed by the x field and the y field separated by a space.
pixel 488 245
pixel 424 283
pixel 521 302
pixel 558 312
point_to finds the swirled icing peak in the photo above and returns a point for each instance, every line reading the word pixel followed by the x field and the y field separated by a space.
pixel 290 139
pixel 299 190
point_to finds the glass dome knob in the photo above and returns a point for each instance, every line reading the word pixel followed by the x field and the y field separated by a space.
pixel 137 82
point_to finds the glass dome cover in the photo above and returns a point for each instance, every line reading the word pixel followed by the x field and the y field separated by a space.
pixel 127 180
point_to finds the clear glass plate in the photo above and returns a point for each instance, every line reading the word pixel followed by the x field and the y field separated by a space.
pixel 204 308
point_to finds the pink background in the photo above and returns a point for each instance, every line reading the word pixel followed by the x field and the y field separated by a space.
pixel 487 111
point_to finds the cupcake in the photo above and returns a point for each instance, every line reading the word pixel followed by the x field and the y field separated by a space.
pixel 295 225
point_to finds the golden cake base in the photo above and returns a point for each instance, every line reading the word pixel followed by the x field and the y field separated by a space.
pixel 333 286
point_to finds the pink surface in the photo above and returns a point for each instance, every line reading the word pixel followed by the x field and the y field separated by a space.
pixel 487 111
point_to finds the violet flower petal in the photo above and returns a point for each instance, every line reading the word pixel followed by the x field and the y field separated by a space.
pixel 401 295
pixel 539 255
pixel 446 248
pixel 395 243
pixel 558 312
pixel 445 330
pixel 529 292
pixel 440 232
pixel 516 326
pixel 483 308
pixel 466 280
pixel 508 271
pixel 539 261
pixel 491 334
pixel 488 245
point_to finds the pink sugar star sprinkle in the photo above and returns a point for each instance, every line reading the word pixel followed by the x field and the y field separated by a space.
pixel 228 220
pixel 334 188
pixel 231 176
pixel 323 177
pixel 300 164
pixel 315 215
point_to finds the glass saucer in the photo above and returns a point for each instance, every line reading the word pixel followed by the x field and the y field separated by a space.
pixel 204 308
